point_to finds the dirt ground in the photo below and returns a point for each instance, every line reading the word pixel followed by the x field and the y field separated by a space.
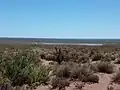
pixel 104 83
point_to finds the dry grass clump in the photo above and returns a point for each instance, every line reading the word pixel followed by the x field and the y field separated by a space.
pixel 54 82
pixel 116 78
pixel 85 74
pixel 83 59
pixel 117 61
pixel 57 55
pixel 107 58
pixel 50 57
pixel 97 57
pixel 79 86
pixel 105 67
pixel 42 56
pixel 91 78
pixel 82 73
pixel 111 88
pixel 63 71
pixel 75 71
pixel 60 83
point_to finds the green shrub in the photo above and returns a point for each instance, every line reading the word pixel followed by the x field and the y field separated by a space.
pixel 31 75
pixel 23 67
pixel 4 80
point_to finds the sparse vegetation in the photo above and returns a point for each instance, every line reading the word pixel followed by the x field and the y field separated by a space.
pixel 24 65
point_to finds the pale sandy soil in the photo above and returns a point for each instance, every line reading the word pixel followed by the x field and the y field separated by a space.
pixel 104 82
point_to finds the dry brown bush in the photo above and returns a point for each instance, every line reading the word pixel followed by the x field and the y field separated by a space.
pixel 117 61
pixel 79 86
pixel 116 78
pixel 59 83
pixel 97 57
pixel 105 67
pixel 63 71
pixel 91 78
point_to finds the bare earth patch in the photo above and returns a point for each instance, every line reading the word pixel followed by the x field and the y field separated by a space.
pixel 104 84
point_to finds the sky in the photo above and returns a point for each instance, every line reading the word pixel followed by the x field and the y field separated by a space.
pixel 60 18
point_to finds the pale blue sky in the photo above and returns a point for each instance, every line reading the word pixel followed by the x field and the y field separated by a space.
pixel 60 18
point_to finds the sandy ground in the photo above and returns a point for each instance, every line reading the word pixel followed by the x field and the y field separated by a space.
pixel 104 82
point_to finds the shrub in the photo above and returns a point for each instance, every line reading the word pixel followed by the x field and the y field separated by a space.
pixel 27 75
pixel 111 88
pixel 117 61
pixel 79 71
pixel 105 67
pixel 23 67
pixel 32 75
pixel 97 57
pixel 84 74
pixel 61 83
pixel 93 67
pixel 63 71
pixel 54 82
pixel 116 78
pixel 83 59
pixel 107 58
pixel 91 78
pixel 59 55
pixel 42 56
pixel 79 86
pixel 75 72
pixel 4 80
pixel 50 57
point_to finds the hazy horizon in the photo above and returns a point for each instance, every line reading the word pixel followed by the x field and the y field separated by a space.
pixel 58 37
